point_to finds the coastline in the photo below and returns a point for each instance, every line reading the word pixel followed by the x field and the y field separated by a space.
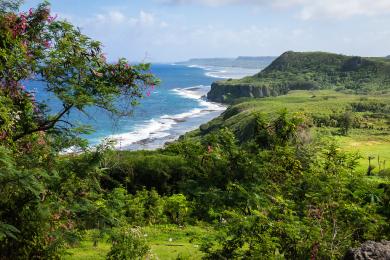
pixel 155 133
pixel 168 128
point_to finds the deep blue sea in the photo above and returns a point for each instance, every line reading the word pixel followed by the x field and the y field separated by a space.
pixel 178 105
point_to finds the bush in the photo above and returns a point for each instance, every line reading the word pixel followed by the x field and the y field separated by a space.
pixel 127 243
pixel 146 207
pixel 177 208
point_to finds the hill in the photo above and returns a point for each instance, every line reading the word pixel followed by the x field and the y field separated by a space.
pixel 240 62
pixel 305 71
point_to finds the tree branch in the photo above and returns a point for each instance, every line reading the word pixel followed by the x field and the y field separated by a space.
pixel 46 125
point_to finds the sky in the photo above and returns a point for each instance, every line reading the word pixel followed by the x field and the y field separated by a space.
pixel 176 30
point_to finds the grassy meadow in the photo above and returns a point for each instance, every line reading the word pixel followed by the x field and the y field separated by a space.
pixel 165 241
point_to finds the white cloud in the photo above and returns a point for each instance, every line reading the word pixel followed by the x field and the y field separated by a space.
pixel 213 2
pixel 114 17
pixel 146 18
pixel 308 9
pixel 117 18
pixel 344 8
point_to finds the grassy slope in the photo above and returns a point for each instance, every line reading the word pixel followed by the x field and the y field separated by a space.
pixel 166 242
pixel 323 102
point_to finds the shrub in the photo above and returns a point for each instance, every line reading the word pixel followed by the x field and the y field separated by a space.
pixel 146 207
pixel 127 243
pixel 177 208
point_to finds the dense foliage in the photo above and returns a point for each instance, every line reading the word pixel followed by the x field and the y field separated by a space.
pixel 278 196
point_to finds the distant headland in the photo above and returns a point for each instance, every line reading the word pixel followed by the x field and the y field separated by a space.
pixel 241 62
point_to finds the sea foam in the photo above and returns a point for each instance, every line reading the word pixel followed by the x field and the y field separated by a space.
pixel 159 128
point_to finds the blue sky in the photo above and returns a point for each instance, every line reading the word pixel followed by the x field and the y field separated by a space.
pixel 173 30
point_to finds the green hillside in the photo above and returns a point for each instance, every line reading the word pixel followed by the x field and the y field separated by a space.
pixel 305 71
pixel 324 110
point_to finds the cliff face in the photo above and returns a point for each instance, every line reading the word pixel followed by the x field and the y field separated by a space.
pixel 224 93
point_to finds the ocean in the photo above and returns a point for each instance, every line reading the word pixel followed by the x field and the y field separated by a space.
pixel 176 106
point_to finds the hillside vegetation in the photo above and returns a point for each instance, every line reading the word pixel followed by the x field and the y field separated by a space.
pixel 308 71
pixel 325 110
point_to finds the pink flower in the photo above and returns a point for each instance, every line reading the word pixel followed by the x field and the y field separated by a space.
pixel 47 44
pixel 23 24
pixel 148 93
pixel 30 12
pixel 52 18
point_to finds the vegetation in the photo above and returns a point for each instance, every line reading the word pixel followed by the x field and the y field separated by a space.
pixel 278 195
pixel 128 244
pixel 266 179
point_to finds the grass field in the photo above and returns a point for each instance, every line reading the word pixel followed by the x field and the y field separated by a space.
pixel 374 145
pixel 166 242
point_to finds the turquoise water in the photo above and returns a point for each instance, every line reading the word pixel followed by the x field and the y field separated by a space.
pixel 175 107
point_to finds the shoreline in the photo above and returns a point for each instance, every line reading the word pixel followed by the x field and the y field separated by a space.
pixel 157 132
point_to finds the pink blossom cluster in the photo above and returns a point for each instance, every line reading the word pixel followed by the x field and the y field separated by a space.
pixel 51 19
pixel 20 28
pixel 151 88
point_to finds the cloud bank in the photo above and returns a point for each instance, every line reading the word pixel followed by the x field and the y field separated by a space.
pixel 178 30
pixel 307 9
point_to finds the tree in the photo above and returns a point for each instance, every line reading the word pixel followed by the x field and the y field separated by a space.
pixel 36 209
pixel 9 5
pixel 346 122
pixel 37 46
pixel 25 218
pixel 177 208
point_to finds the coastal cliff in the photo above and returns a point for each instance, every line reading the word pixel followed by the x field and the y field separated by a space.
pixel 307 71
pixel 224 93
